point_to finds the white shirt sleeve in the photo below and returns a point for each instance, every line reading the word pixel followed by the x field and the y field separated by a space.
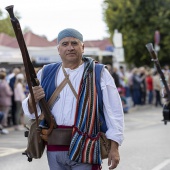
pixel 112 108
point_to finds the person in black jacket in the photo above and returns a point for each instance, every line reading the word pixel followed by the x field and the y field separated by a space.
pixel 11 83
pixel 116 77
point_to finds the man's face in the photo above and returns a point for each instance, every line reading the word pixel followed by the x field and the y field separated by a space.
pixel 70 50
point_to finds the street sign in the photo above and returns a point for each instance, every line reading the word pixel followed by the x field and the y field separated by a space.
pixel 119 54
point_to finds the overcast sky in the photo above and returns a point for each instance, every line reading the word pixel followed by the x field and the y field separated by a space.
pixel 49 17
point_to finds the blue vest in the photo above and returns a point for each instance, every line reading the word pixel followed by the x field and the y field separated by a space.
pixel 48 83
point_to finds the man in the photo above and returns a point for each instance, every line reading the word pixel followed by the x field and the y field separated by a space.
pixel 15 71
pixel 69 108
pixel 143 89
pixel 116 77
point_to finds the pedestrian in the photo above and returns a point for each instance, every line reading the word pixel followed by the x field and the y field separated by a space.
pixel 5 97
pixel 2 129
pixel 136 88
pixel 149 86
pixel 19 96
pixel 124 101
pixel 68 106
pixel 15 71
pixel 157 89
pixel 115 75
pixel 143 89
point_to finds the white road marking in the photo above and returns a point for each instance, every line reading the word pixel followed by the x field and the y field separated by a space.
pixel 9 151
pixel 162 165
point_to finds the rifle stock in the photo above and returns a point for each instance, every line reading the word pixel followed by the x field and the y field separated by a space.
pixel 29 69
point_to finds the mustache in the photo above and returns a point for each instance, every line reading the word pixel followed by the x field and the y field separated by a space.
pixel 71 53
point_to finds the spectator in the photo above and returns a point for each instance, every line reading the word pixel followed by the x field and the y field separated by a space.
pixel 116 77
pixel 136 88
pixel 149 85
pixel 157 89
pixel 11 83
pixel 142 85
pixel 124 101
pixel 5 97
pixel 19 96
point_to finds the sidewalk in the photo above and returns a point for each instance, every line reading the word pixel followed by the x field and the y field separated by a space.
pixel 144 107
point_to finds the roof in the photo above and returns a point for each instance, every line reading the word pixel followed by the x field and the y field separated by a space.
pixel 33 40
pixel 5 39
pixel 104 44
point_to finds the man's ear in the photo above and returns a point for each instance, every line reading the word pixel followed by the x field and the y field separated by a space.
pixel 83 48
pixel 58 49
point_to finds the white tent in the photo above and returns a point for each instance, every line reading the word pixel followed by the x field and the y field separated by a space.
pixel 10 55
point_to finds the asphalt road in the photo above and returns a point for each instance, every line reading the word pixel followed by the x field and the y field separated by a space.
pixel 146 145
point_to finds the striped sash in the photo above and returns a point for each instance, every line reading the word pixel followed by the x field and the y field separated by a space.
pixel 85 144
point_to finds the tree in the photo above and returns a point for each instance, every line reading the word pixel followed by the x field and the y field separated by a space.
pixel 137 21
pixel 5 24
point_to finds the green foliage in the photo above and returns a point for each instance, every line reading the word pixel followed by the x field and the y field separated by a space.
pixel 5 24
pixel 5 27
pixel 138 20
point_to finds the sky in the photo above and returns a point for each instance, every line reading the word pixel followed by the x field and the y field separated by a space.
pixel 48 17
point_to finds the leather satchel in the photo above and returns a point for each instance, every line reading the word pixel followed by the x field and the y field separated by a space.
pixel 58 136
pixel 105 145
pixel 35 145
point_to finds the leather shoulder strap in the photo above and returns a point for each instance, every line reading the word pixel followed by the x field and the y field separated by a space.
pixel 56 92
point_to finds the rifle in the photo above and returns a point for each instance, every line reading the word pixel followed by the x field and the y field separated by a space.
pixel 166 108
pixel 29 69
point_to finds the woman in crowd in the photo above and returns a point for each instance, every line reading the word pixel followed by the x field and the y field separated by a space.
pixel 5 97
pixel 19 95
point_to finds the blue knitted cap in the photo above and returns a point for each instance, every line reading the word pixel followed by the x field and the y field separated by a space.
pixel 69 32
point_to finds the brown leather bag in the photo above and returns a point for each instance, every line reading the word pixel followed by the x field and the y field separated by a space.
pixel 35 144
pixel 105 145
pixel 58 136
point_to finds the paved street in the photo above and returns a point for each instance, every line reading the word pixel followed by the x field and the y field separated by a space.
pixel 146 145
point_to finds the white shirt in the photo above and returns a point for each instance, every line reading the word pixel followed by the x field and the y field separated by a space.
pixel 64 109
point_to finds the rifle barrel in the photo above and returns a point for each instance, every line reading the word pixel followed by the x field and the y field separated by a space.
pixel 154 57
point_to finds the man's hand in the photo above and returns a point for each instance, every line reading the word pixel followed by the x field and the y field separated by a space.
pixel 38 95
pixel 113 157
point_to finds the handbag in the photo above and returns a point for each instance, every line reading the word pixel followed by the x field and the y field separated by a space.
pixel 105 145
pixel 35 144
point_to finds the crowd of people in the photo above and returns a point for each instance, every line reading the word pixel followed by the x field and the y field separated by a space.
pixel 12 92
pixel 139 86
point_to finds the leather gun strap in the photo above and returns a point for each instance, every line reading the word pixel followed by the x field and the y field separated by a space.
pixel 56 92
pixel 69 82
